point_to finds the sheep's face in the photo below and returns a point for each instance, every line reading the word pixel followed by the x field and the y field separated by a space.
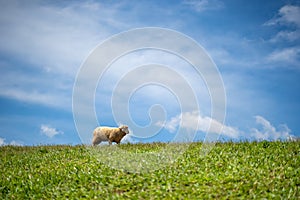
pixel 124 129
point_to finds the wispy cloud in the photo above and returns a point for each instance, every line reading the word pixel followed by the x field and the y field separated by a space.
pixel 203 5
pixel 268 132
pixel 49 131
pixel 287 55
pixel 287 15
pixel 43 45
pixel 289 36
pixel 51 37
pixel 37 87
pixel 59 100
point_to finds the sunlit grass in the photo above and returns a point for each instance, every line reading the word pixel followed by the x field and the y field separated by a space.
pixel 231 170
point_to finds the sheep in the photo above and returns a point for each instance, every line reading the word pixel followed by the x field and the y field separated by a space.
pixel 110 134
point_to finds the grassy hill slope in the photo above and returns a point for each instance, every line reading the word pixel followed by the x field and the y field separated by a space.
pixel 231 170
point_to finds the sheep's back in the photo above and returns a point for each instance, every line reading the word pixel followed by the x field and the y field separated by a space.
pixel 105 131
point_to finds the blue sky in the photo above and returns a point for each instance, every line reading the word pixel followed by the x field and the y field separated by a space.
pixel 254 44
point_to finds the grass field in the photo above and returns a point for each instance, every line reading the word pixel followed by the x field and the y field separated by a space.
pixel 243 170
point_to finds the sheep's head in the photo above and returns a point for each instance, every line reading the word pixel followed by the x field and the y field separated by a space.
pixel 124 129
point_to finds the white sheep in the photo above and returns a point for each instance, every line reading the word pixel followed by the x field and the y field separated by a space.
pixel 110 134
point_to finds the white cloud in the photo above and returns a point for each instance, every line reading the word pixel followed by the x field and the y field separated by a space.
pixel 268 132
pixel 129 139
pixel 203 5
pixel 44 98
pixel 287 15
pixel 49 131
pixel 288 55
pixel 194 121
pixel 13 143
pixel 290 14
pixel 289 36
pixel 2 142
pixel 16 143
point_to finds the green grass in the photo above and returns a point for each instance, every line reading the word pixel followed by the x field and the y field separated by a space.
pixel 245 170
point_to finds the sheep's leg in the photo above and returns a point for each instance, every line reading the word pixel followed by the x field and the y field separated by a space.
pixel 110 142
pixel 96 141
